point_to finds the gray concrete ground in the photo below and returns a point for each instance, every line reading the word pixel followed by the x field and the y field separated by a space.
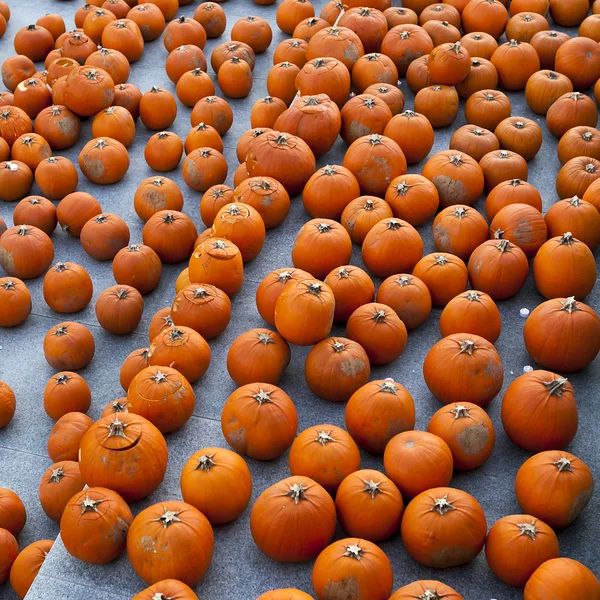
pixel 239 569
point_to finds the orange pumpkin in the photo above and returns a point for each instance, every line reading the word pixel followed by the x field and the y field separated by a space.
pixel 243 225
pixel 362 214
pixel 405 43
pixel 576 216
pixel 132 365
pixel 59 483
pixel 511 191
pixel 352 287
pixel 578 579
pixel 413 133
pixel 69 346
pixel 487 108
pixel 8 405
pixel 171 234
pixel 66 392
pixel 12 512
pixel 523 225
pixel 471 312
pixel 474 141
pixel 424 588
pixel 27 565
pixel 67 287
pixel 444 274
pixel 104 161
pixel 65 437
pixel 459 230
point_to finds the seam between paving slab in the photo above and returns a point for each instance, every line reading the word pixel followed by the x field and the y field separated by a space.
pixel 95 588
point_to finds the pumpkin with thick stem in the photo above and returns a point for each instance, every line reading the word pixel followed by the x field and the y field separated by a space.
pixel 202 307
pixel 259 420
pixel 444 274
pixel 12 512
pixel 576 579
pixel 391 94
pixel 128 96
pixel 218 483
pixel 88 90
pixel 398 16
pixel 162 395
pixel 324 75
pixel 66 435
pixel 226 50
pixel 270 288
pixel 115 406
pixel 544 88
pixel 27 565
pixel 352 287
pixel 413 133
pixel 119 309
pixel 302 529
pixel 459 230
pixel 417 461
pixel 132 365
pixel 218 262
pixel 182 31
pixel 15 302
pixel 362 214
pixel 245 141
pixel 511 191
pixel 502 165
pixel 472 370
pixel 546 44
pixel 553 281
pixel 471 312
pixel 125 453
pixel 204 167
pixel 577 216
pixel 163 151
pixel 149 18
pixel 115 122
pixel 523 225
pixel 69 346
pixel 377 412
pixel 212 18
pixel 335 368
pixel 37 211
pixel 281 81
pixel 558 325
pixel 31 149
pixel 241 224
pixel 125 36
pixel 554 486
pixel 115 63
pixel 520 135
pixel 56 177
pixel 258 355
pixel 171 234
pixel 353 562
pixel 517 545
pixel 213 200
pixel 66 392
pixel 369 505
pixel 412 198
pixel 467 430
pixel 539 411
pixel 137 266
pixel 326 454
pixel 94 525
pixel 160 533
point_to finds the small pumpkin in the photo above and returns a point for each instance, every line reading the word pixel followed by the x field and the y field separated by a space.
pixel 66 392
pixel 413 133
pixel 67 287
pixel 8 404
pixel 352 287
pixel 511 191
pixel 523 225
pixel 27 565
pixel 218 262
pixel 12 512
pixel 69 346
pixel 134 362
pixel 66 435
pixel 459 230
pixel 578 217
pixel 171 234
pixel 59 483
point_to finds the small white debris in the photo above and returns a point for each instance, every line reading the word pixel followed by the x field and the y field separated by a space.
pixel 527 369
pixel 524 312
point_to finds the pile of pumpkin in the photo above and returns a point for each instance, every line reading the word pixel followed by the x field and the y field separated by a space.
pixel 369 200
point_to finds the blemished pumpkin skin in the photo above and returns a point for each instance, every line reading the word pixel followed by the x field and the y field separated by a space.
pixel 390 94
pixel 15 302
pixel 285 594
pixel 392 246
pixel 474 141
pixel 218 483
pixel 259 420
pixel 340 43
pixel 243 225
pixel 539 411
pixel 554 279
pixel 94 525
pixel 408 296
pixel 352 287
pixel 66 435
pixel 326 454
pixel 335 368
pixel 12 512
pixel 517 545
pixel 369 505
pixel 161 533
pixel 562 335
pixel 258 355
pixel 577 216
pixel 305 30
pixel 26 251
pixel 204 308
pixel 455 523
pixel 149 18
pixel 457 177
pixel 10 551
pixel 293 520
pixel 377 412
pixel 424 588
pixel 363 115
pixel 512 191
pixel 472 370
pixel 128 96
pixel 471 312
pixel 554 486
pixel 212 17
pixel 373 69
pixel 353 562
pixel 458 230
pixel 132 365
pixel 245 141
pixel 304 312
pixel 271 287
pixel 68 287
pixel 467 430
pixel 126 453
pixel 413 453
pixel 69 346
pixel 444 274
pixel 523 225
pixel 66 392
pixel 27 565
pixel 167 588
pixel 405 43
pixel 30 149
pixel 8 404
pixel 562 577
pixel 162 395
pixel 267 196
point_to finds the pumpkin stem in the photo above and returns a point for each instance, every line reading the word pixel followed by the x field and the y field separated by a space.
pixel 455 47
pixel 296 493
pixel 220 245
pixel 369 102
pixel 513 43
pixel 354 551
pixel 89 505
pixel 169 218
pixel 281 139
pixel 556 386
pixel 575 201
pixel 404 280
pixel 373 56
pixel 55 110
pixel 263 397
pixel 100 144
pixel 375 139
pixel 323 227
pixel 119 407
pixel 159 377
pixel 62 379
pixel 176 334
pixel 528 529
pixel 379 316
pixel 319 62
pixel 456 159
pixel 460 212
pixel 284 277
pixel 490 97
pixel 206 463
pixel 499 234
pixel 460 412
pixel 372 488
pixel 409 114
pixel 314 288
pixel 294 43
pixel 467 347
pixel 343 273
pixel 324 438
pixel 402 188
pixel 116 429
pixel 60 331
pixel 430 595
pixel 200 292
pixel 570 305
pixel 329 170
pixel 587 136
pixel 504 246
pixel 8 285
pixel 405 35
pixel 169 517
pixel 388 386
pixel 56 475
pixel 563 464
pixel 473 296
pixel 369 205
pixel 122 294
pixel 567 239
pixel 394 224
pixel 265 338
pixel 181 19
pixel 442 505
pixel 590 168
pixel 338 346
pixel 441 260
pixel 519 125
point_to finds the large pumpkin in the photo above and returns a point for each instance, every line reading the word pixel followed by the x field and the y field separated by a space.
pixel 25 251
pixel 125 453
pixel 293 520
pixel 326 454
pixel 575 580
pixel 463 368
pixel 218 262
pixel 170 540
pixel 554 486
pixel 443 527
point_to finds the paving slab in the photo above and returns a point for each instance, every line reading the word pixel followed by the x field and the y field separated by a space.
pixel 239 570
